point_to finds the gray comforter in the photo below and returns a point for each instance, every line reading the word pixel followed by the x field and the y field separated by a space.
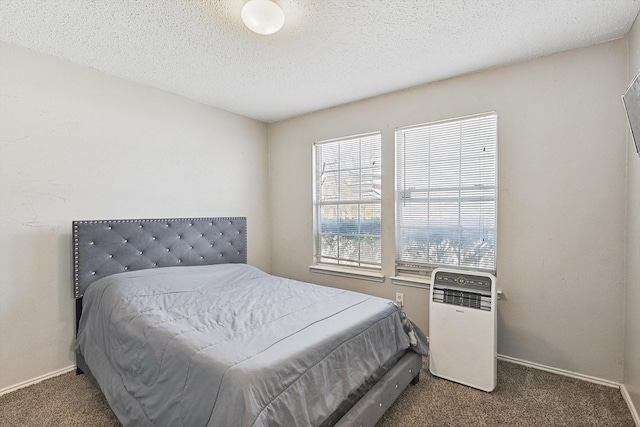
pixel 229 345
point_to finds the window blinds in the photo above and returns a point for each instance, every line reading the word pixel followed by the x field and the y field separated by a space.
pixel 348 201
pixel 446 194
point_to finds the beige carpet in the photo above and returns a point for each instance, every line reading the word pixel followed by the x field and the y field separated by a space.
pixel 524 397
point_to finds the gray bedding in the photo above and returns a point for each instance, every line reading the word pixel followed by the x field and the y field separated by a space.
pixel 229 345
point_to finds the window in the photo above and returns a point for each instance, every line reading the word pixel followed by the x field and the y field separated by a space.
pixel 347 201
pixel 446 195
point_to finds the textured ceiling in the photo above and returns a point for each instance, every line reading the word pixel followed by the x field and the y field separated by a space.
pixel 329 52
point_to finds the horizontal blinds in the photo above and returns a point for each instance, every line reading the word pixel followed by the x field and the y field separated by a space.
pixel 348 201
pixel 446 194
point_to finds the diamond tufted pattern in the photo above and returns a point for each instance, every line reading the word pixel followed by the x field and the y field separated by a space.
pixel 105 247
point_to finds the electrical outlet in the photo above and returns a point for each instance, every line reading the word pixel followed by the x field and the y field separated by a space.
pixel 400 299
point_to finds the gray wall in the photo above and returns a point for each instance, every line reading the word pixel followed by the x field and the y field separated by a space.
pixel 78 144
pixel 562 154
pixel 632 297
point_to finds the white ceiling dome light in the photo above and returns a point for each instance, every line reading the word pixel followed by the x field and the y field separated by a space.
pixel 262 16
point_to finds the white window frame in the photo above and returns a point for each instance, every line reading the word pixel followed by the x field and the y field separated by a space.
pixel 411 266
pixel 369 270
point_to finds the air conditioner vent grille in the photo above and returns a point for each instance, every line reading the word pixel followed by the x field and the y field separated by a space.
pixel 462 298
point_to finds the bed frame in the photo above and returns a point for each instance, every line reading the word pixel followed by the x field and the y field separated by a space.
pixel 105 247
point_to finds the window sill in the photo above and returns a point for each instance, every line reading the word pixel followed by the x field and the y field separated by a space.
pixel 351 273
pixel 413 282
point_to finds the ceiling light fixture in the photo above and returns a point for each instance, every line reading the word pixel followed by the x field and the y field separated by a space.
pixel 262 16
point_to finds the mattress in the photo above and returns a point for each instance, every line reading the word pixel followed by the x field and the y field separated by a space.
pixel 229 345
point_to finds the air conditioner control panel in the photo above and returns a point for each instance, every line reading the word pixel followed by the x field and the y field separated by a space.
pixel 467 282
pixel 460 289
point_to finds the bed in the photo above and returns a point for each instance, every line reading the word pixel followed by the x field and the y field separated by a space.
pixel 176 329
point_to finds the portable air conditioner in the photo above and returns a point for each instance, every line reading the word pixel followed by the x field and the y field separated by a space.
pixel 462 327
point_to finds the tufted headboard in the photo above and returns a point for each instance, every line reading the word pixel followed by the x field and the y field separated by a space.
pixel 105 247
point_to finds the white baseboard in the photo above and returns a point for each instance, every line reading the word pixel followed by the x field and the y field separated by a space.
pixel 37 380
pixel 627 398
pixel 558 371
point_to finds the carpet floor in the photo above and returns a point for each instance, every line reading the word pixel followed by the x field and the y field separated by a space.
pixel 524 397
